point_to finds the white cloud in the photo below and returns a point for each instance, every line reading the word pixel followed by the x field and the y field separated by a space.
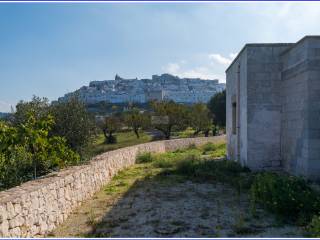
pixel 233 55
pixel 203 72
pixel 220 59
pixel 5 107
pixel 205 66
pixel 173 68
pixel 286 21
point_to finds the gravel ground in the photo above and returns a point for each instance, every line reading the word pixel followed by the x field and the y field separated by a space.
pixel 169 206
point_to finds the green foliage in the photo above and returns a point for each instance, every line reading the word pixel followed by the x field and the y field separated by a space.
pixel 174 117
pixel 286 196
pixel 136 120
pixel 27 150
pixel 217 106
pixel 200 118
pixel 208 147
pixel 15 167
pixel 220 151
pixel 124 139
pixel 144 158
pixel 60 155
pixel 222 171
pixel 40 107
pixel 188 164
pixel 170 159
pixel 111 125
pixel 314 226
pixel 187 133
pixel 214 150
pixel 74 123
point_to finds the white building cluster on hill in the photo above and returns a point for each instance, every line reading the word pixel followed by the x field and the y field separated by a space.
pixel 164 87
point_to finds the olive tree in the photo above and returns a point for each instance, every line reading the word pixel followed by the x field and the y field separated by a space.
pixel 200 119
pixel 74 123
pixel 217 106
pixel 111 125
pixel 169 116
pixel 136 120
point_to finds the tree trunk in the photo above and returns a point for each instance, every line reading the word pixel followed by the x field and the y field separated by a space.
pixel 136 131
pixel 105 133
pixel 168 133
pixel 206 133
pixel 214 131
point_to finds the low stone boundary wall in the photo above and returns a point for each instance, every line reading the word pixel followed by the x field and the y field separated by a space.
pixel 35 208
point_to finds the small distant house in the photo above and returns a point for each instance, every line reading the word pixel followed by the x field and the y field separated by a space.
pixel 273 107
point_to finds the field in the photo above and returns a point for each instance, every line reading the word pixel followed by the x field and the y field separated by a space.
pixel 186 193
pixel 124 139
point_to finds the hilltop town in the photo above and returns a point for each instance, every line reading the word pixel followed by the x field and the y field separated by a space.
pixel 163 87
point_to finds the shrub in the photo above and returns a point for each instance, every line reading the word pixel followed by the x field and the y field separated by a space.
pixel 208 147
pixel 314 227
pixel 74 123
pixel 144 158
pixel 27 150
pixel 15 167
pixel 223 171
pixel 286 196
pixel 188 165
pixel 217 106
pixel 167 160
pixel 220 151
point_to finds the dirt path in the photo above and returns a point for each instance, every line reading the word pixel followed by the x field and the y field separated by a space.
pixel 145 202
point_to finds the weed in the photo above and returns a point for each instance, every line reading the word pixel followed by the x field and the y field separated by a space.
pixel 91 218
pixel 314 227
pixel 286 196
pixel 144 158
pixel 208 147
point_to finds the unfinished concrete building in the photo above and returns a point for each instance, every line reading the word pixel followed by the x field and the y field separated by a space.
pixel 273 107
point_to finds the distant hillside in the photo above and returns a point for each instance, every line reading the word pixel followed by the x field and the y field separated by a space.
pixel 140 91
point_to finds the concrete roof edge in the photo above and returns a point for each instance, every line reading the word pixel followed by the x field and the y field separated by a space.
pixel 300 41
pixel 257 45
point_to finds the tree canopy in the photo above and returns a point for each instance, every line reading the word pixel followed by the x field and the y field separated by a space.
pixel 217 106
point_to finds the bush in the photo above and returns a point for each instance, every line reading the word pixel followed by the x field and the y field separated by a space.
pixel 74 123
pixel 223 171
pixel 15 167
pixel 286 196
pixel 208 147
pixel 188 165
pixel 144 158
pixel 314 227
pixel 27 150
pixel 217 106
pixel 219 151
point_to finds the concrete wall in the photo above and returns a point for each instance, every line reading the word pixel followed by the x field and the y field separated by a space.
pixel 314 107
pixel 35 208
pixel 279 107
pixel 294 121
pixel 232 96
pixel 264 105
pixel 301 109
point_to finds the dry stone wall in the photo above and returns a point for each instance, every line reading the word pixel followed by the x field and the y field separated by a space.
pixel 35 208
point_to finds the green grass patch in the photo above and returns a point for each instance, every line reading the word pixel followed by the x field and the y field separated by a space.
pixel 214 150
pixel 124 139
pixel 144 158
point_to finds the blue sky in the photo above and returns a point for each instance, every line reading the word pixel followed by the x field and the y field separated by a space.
pixel 49 49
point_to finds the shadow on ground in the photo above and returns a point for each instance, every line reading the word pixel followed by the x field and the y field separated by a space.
pixel 172 206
